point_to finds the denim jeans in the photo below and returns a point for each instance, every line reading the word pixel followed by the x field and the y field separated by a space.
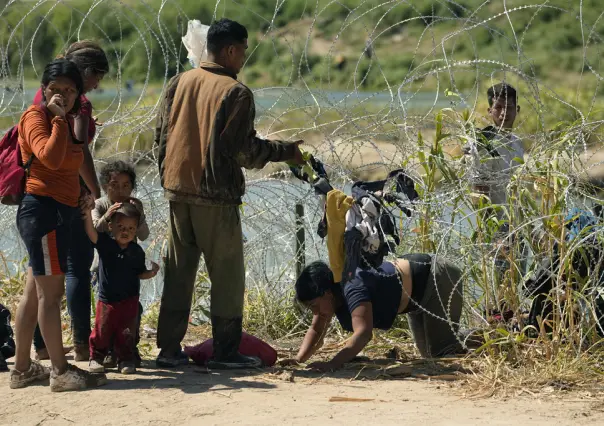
pixel 77 286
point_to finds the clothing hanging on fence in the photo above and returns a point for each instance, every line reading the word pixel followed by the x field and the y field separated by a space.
pixel 337 206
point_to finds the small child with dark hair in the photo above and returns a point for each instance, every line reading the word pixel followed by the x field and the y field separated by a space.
pixel 497 148
pixel 118 180
pixel 121 267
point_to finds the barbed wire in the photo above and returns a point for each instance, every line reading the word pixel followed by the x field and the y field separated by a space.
pixel 359 132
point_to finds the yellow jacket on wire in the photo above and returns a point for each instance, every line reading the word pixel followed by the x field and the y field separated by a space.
pixel 337 205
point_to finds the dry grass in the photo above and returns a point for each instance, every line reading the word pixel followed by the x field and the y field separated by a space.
pixel 533 373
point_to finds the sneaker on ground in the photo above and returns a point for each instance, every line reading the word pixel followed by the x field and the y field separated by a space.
pixel 236 361
pixel 81 353
pixel 171 360
pixel 110 361
pixel 96 367
pixel 127 368
pixel 75 378
pixel 35 372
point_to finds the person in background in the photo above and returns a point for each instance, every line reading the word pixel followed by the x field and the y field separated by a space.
pixel 93 65
pixel 495 157
pixel 205 134
pixel 45 220
pixel 497 151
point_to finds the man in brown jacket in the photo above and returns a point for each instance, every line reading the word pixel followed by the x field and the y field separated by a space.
pixel 205 134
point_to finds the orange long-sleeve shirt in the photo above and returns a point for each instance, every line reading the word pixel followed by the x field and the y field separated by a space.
pixel 56 168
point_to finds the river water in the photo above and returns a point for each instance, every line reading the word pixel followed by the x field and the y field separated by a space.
pixel 268 211
pixel 278 98
pixel 269 226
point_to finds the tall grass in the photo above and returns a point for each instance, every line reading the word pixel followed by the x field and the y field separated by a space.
pixel 562 348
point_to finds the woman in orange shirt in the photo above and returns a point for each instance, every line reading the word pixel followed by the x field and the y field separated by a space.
pixel 44 221
pixel 93 64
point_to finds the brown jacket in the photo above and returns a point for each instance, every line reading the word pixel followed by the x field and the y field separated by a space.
pixel 205 134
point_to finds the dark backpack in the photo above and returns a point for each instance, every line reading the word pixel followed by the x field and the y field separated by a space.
pixel 7 344
pixel 12 170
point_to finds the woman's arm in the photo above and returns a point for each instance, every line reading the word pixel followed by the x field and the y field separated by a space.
pixel 48 145
pixel 313 340
pixel 362 324
pixel 87 170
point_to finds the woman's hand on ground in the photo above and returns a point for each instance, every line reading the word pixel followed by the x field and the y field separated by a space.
pixel 322 366
pixel 56 105
pixel 286 362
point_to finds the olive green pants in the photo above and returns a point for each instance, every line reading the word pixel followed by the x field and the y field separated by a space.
pixel 435 325
pixel 215 232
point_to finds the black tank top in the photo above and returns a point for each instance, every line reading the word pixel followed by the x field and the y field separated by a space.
pixel 381 286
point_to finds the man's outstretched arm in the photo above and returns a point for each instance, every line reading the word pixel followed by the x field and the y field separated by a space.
pixel 239 139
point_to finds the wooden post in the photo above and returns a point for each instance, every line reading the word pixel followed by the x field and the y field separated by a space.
pixel 300 239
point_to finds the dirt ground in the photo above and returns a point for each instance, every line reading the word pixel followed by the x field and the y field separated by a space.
pixel 194 395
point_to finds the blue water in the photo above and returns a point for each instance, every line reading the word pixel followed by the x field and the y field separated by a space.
pixel 271 98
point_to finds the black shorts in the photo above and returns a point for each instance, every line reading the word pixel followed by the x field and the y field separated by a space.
pixel 45 228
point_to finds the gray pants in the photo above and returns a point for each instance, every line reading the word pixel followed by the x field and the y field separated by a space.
pixel 443 298
pixel 215 232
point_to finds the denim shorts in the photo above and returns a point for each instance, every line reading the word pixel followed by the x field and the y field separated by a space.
pixel 45 228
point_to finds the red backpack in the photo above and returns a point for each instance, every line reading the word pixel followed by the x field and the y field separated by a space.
pixel 249 346
pixel 12 170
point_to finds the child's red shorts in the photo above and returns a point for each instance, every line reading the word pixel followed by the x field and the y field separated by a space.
pixel 115 323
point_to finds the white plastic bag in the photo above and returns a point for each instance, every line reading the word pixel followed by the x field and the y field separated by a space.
pixel 195 41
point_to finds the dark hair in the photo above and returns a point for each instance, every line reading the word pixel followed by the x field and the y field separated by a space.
pixel 314 281
pixel 127 210
pixel 118 167
pixel 502 90
pixel 63 68
pixel 224 33
pixel 89 57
